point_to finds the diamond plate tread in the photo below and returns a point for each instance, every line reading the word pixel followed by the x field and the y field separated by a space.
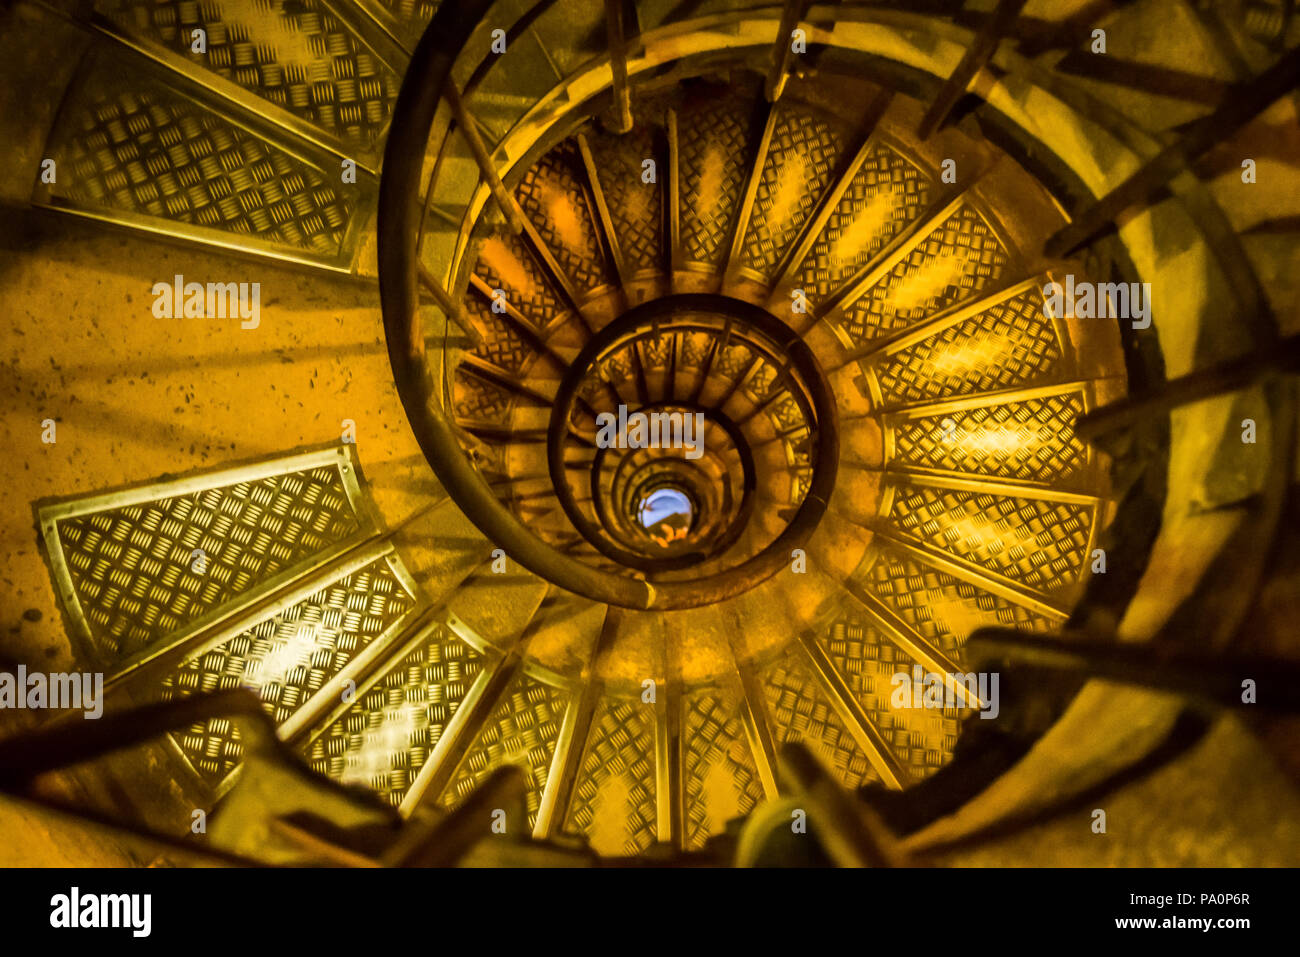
pixel 1039 543
pixel 800 167
pixel 759 382
pixel 786 413
pixel 615 369
pixel 1031 439
pixel 613 801
pixel 636 208
pixel 411 16
pixel 713 156
pixel 286 659
pixel 388 734
pixel 731 363
pixel 921 738
pixel 292 53
pixel 502 346
pixel 692 348
pixel 477 401
pixel 886 193
pixel 1009 344
pixel 720 779
pixel 553 195
pixel 941 608
pixel 522 729
pixel 588 391
pixel 950 265
pixel 506 263
pixel 132 567
pixel 132 146
pixel 800 712
pixel 654 352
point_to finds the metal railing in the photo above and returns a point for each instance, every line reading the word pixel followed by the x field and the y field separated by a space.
pixel 428 88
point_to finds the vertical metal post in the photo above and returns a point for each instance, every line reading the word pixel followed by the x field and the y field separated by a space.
pixel 783 50
pixel 979 53
pixel 509 207
pixel 616 39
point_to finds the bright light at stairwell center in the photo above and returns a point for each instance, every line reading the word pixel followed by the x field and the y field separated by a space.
pixel 666 514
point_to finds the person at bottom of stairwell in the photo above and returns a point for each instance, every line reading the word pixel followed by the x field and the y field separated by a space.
pixel 669 529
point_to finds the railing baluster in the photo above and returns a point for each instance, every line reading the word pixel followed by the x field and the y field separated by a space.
pixel 783 50
pixel 450 308
pixel 509 207
pixel 1215 677
pixel 1208 383
pixel 617 43
pixel 976 56
pixel 1139 190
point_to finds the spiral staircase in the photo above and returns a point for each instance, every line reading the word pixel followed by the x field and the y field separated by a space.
pixel 822 231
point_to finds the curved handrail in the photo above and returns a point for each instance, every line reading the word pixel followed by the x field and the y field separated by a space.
pixel 671 559
pixel 657 313
pixel 400 215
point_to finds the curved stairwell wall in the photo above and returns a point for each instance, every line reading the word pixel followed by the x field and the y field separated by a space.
pixel 962 498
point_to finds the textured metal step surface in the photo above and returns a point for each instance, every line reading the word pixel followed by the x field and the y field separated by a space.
pixel 296 56
pixel 138 565
pixel 138 152
pixel 990 505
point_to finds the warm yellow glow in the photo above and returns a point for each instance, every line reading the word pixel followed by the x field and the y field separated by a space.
pixel 514 749
pixel 953 615
pixel 667 536
pixel 563 216
pixel 721 798
pixel 791 185
pixel 609 816
pixel 501 260
pixel 636 204
pixel 282 658
pixel 990 440
pixel 712 176
pixel 264 27
pixel 867 223
pixel 975 533
pixel 959 358
pixel 382 745
pixel 927 282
